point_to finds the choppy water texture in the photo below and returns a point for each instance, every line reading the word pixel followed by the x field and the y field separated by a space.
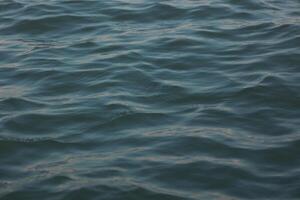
pixel 149 99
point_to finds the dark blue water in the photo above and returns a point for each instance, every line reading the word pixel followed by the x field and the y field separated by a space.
pixel 149 99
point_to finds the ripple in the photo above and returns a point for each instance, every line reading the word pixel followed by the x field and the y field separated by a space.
pixel 159 11
pixel 17 104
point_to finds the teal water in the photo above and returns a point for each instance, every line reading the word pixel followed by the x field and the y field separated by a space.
pixel 149 100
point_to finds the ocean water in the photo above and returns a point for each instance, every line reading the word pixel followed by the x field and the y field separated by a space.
pixel 149 99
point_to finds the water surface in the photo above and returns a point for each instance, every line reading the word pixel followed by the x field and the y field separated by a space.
pixel 156 99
